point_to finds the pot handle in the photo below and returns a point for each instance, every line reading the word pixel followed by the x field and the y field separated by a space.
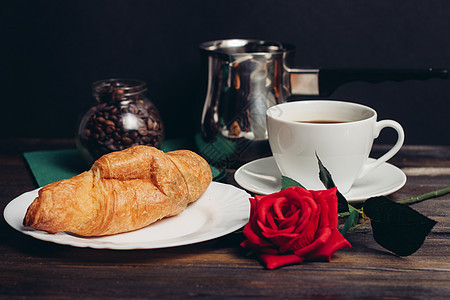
pixel 331 79
pixel 322 82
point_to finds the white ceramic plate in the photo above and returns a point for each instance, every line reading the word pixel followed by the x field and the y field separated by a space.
pixel 263 177
pixel 222 209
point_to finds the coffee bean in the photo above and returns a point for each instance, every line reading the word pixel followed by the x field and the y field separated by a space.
pixel 127 141
pixel 149 124
pixel 134 134
pixel 112 147
pixel 116 136
pixel 109 129
pixel 143 131
pixel 133 109
pixel 110 123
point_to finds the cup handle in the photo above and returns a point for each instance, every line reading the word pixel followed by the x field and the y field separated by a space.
pixel 367 167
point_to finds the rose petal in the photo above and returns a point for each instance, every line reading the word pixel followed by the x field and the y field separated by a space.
pixel 267 231
pixel 321 237
pixel 264 207
pixel 276 261
pixel 282 241
pixel 330 197
pixel 324 216
pixel 278 208
pixel 306 237
pixel 253 236
pixel 292 220
pixel 333 244
pixel 309 211
pixel 253 205
pixel 271 222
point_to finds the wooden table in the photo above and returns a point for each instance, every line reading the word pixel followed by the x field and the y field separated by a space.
pixel 220 268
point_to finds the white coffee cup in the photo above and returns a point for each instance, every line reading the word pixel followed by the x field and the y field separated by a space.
pixel 342 147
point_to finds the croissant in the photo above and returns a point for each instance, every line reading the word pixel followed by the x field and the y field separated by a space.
pixel 123 191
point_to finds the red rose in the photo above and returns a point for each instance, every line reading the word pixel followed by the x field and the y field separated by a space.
pixel 294 225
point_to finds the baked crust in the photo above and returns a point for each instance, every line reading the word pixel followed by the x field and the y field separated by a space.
pixel 123 191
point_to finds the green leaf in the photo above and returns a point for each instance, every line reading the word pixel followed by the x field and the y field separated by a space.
pixel 342 202
pixel 287 182
pixel 351 221
pixel 327 180
pixel 325 175
pixel 397 227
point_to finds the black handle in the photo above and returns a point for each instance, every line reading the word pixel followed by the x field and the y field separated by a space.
pixel 331 79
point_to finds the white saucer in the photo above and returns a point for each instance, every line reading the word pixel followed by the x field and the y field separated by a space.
pixel 263 177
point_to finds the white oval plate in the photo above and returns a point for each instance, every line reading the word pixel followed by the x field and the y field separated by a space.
pixel 263 177
pixel 222 209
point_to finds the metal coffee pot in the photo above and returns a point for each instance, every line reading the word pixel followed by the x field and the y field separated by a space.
pixel 245 77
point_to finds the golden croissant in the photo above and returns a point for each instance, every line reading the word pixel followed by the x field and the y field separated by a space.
pixel 123 191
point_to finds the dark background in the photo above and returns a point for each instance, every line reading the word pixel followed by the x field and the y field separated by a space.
pixel 51 52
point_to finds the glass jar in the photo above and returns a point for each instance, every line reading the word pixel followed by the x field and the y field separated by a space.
pixel 120 117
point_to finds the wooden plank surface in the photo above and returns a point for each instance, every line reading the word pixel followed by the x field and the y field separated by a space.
pixel 220 268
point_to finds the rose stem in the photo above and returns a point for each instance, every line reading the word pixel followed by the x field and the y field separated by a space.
pixel 433 194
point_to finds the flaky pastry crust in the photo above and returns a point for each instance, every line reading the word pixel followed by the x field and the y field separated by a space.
pixel 123 191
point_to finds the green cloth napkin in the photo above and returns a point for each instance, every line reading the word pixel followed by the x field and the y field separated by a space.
pixel 51 166
pixel 54 165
